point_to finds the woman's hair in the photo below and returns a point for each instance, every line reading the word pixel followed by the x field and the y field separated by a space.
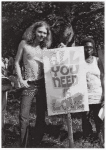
pixel 29 35
pixel 84 41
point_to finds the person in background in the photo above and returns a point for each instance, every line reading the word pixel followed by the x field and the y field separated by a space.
pixel 93 77
pixel 6 86
pixel 35 39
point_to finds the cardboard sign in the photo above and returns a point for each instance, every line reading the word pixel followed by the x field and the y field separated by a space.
pixel 65 78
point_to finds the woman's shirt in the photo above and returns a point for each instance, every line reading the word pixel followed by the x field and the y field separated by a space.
pixel 33 63
pixel 93 82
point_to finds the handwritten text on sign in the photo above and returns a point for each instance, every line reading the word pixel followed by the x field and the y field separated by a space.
pixel 64 76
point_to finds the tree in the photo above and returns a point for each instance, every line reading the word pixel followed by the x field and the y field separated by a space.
pixel 85 18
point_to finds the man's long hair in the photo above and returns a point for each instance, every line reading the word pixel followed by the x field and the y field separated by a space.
pixel 29 35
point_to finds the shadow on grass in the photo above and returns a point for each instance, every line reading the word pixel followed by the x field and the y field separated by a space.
pixel 55 132
pixel 54 137
pixel 11 135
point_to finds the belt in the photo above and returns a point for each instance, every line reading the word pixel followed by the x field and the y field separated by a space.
pixel 37 82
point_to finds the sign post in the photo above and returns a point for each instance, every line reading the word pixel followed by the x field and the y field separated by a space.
pixel 69 123
pixel 70 130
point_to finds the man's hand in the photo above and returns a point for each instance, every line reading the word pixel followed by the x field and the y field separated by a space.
pixel 102 101
pixel 23 83
pixel 61 45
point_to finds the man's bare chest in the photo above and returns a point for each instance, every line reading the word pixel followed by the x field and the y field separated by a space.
pixel 32 52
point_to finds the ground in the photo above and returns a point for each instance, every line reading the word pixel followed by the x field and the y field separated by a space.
pixel 56 132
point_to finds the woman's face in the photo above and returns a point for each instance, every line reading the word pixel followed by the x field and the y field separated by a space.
pixel 41 33
pixel 88 48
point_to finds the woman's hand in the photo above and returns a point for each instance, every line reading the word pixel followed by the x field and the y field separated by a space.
pixel 61 45
pixel 23 83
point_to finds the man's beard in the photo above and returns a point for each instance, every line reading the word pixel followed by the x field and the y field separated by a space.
pixel 43 43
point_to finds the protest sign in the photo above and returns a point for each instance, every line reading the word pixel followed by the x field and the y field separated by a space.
pixel 65 79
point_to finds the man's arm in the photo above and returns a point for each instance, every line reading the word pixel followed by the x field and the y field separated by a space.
pixel 17 66
pixel 101 67
pixel 17 60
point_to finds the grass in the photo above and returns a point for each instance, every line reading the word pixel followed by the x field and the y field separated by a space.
pixel 56 132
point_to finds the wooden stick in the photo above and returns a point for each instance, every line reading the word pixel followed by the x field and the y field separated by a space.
pixel 70 131
pixel 69 122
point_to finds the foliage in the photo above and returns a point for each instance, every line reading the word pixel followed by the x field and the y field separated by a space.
pixel 87 19
pixel 56 135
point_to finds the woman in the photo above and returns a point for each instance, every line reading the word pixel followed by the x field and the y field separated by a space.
pixel 35 40
pixel 94 88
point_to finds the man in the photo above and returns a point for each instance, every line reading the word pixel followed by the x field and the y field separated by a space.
pixel 93 77
pixel 35 39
